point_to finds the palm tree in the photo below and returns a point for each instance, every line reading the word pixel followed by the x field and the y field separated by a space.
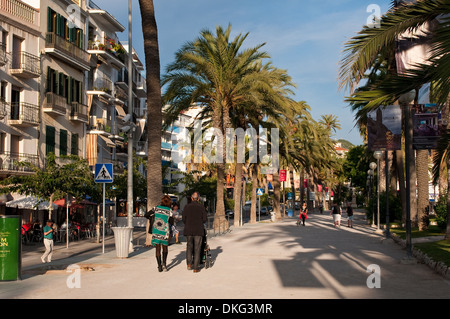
pixel 214 72
pixel 362 51
pixel 154 103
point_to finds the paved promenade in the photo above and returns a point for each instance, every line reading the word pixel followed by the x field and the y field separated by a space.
pixel 261 261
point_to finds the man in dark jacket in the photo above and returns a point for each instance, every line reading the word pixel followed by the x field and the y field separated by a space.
pixel 194 216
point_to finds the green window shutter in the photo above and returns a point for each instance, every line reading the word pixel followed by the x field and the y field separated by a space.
pixel 49 79
pixel 81 44
pixel 49 20
pixel 74 144
pixel 55 82
pixel 69 88
pixel 57 24
pixel 63 142
pixel 50 139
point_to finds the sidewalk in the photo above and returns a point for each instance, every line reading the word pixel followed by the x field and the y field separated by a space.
pixel 261 261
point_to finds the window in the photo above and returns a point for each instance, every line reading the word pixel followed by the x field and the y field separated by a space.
pixel 74 144
pixel 58 24
pixel 63 142
pixel 49 139
pixel 3 91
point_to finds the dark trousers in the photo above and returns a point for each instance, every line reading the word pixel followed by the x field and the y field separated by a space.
pixel 193 250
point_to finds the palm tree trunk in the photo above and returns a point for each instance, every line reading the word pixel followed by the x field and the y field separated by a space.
pixel 401 181
pixel 237 194
pixel 422 188
pixel 276 195
pixel 254 196
pixel 154 103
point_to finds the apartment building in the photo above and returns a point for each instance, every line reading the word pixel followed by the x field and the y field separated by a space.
pixel 20 72
pixel 64 61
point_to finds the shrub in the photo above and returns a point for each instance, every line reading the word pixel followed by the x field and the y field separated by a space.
pixel 395 208
pixel 441 211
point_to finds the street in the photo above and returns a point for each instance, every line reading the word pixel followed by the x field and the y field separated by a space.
pixel 261 261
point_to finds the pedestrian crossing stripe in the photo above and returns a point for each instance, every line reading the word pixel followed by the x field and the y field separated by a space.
pixel 103 173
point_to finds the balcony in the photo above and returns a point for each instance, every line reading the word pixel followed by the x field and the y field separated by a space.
pixel 78 113
pixel 110 50
pixel 25 65
pixel 3 58
pixel 3 108
pixel 141 89
pixel 10 163
pixel 21 10
pixel 24 114
pixel 67 51
pixel 102 86
pixel 99 126
pixel 55 104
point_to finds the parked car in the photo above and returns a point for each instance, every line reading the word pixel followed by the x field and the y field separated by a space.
pixel 270 209
pixel 229 213
pixel 264 210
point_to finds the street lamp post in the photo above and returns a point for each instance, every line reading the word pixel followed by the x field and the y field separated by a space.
pixel 130 199
pixel 377 155
pixel 373 166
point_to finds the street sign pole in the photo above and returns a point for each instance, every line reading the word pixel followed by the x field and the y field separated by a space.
pixel 103 240
pixel 104 174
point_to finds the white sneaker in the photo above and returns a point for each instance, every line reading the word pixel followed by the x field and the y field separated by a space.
pixel 43 260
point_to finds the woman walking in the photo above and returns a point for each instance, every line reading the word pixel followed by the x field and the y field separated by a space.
pixel 303 214
pixel 159 228
pixel 336 211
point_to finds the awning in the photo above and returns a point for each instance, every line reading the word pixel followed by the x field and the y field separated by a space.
pixel 120 110
pixel 30 202
pixel 74 204
pixel 108 142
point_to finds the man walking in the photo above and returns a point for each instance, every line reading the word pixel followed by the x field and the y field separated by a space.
pixel 48 241
pixel 194 216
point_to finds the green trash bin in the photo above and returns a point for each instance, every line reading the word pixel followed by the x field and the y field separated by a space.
pixel 10 248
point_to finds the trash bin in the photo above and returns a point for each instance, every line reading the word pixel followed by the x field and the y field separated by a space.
pixel 10 248
pixel 272 216
pixel 122 237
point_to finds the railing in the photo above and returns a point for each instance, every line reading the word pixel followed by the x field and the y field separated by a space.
pixel 78 111
pixel 26 62
pixel 56 102
pixel 26 112
pixel 102 84
pixel 100 125
pixel 21 10
pixel 53 40
pixel 3 108
pixel 3 58
pixel 9 161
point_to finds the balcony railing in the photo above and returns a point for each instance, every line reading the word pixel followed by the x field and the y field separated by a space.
pixel 115 50
pixel 9 162
pixel 3 108
pixel 78 112
pixel 3 58
pixel 55 104
pixel 54 41
pixel 24 114
pixel 101 84
pixel 20 10
pixel 25 65
pixel 102 125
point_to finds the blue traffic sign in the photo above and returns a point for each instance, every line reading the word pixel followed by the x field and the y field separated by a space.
pixel 260 192
pixel 103 173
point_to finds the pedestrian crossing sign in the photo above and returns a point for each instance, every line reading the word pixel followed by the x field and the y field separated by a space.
pixel 260 192
pixel 103 173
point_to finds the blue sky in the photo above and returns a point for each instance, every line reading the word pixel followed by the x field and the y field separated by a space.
pixel 305 37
